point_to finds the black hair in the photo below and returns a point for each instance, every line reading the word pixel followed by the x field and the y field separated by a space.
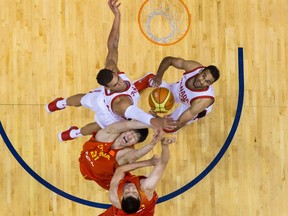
pixel 130 205
pixel 104 77
pixel 143 134
pixel 214 72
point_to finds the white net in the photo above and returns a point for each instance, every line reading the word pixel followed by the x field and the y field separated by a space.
pixel 164 22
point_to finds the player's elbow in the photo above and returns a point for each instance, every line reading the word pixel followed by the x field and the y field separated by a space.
pixel 168 59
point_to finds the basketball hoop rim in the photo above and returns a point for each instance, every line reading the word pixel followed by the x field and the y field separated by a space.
pixel 167 44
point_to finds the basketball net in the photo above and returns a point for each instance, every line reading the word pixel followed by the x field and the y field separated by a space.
pixel 164 22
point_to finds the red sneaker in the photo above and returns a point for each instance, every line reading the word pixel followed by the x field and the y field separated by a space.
pixel 65 135
pixel 144 82
pixel 51 107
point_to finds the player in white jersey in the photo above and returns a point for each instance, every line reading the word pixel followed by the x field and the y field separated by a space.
pixel 101 102
pixel 117 97
pixel 194 91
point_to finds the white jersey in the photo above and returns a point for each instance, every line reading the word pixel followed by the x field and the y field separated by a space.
pixel 184 95
pixel 130 91
pixel 100 101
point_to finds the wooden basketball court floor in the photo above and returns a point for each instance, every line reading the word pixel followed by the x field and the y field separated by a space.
pixel 55 48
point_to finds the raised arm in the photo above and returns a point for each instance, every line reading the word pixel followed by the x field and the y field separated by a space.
pixel 111 132
pixel 128 155
pixel 113 39
pixel 119 175
pixel 149 184
pixel 178 63
pixel 124 106
pixel 196 107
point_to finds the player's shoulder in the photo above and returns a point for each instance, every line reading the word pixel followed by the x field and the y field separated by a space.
pixel 190 65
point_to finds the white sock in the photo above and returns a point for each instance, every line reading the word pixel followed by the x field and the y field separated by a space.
pixel 62 103
pixel 75 133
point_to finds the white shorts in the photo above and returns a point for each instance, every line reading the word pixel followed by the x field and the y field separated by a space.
pixel 94 100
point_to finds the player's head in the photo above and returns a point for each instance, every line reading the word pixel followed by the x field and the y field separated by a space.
pixel 110 80
pixel 131 199
pixel 132 137
pixel 104 77
pixel 214 72
pixel 206 77
pixel 142 134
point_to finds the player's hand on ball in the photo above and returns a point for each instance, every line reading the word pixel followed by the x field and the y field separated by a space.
pixel 157 136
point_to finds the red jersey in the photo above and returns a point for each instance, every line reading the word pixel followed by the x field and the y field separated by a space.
pixel 147 207
pixel 98 162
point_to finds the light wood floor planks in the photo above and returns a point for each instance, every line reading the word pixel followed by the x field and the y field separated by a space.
pixel 55 48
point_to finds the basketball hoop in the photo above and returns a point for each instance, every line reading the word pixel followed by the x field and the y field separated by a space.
pixel 164 22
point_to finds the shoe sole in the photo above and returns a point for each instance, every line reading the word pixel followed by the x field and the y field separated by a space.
pixel 47 109
pixel 60 137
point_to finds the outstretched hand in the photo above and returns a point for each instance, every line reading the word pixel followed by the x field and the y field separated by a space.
pixel 114 6
pixel 168 123
pixel 157 136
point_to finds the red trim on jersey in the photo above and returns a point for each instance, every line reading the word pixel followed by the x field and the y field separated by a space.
pixel 187 72
pixel 171 131
pixel 120 72
pixel 96 90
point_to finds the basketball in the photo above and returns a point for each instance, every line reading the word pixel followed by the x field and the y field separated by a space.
pixel 161 100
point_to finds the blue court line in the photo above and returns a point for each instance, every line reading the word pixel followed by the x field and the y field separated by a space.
pixel 228 140
pixel 163 198
pixel 43 181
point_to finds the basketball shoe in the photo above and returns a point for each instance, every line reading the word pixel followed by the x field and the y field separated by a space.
pixel 65 135
pixel 144 82
pixel 52 106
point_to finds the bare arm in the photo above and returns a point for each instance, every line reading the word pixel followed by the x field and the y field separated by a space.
pixel 129 155
pixel 113 39
pixel 178 63
pixel 196 107
pixel 124 106
pixel 149 184
pixel 111 132
pixel 119 175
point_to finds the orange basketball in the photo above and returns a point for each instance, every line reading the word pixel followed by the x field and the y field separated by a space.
pixel 161 100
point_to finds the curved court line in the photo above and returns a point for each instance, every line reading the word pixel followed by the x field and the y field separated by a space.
pixel 43 181
pixel 228 140
pixel 163 198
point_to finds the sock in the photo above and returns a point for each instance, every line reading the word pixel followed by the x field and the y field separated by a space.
pixel 61 104
pixel 75 133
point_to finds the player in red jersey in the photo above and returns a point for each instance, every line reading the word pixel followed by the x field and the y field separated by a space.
pixel 135 195
pixel 112 147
